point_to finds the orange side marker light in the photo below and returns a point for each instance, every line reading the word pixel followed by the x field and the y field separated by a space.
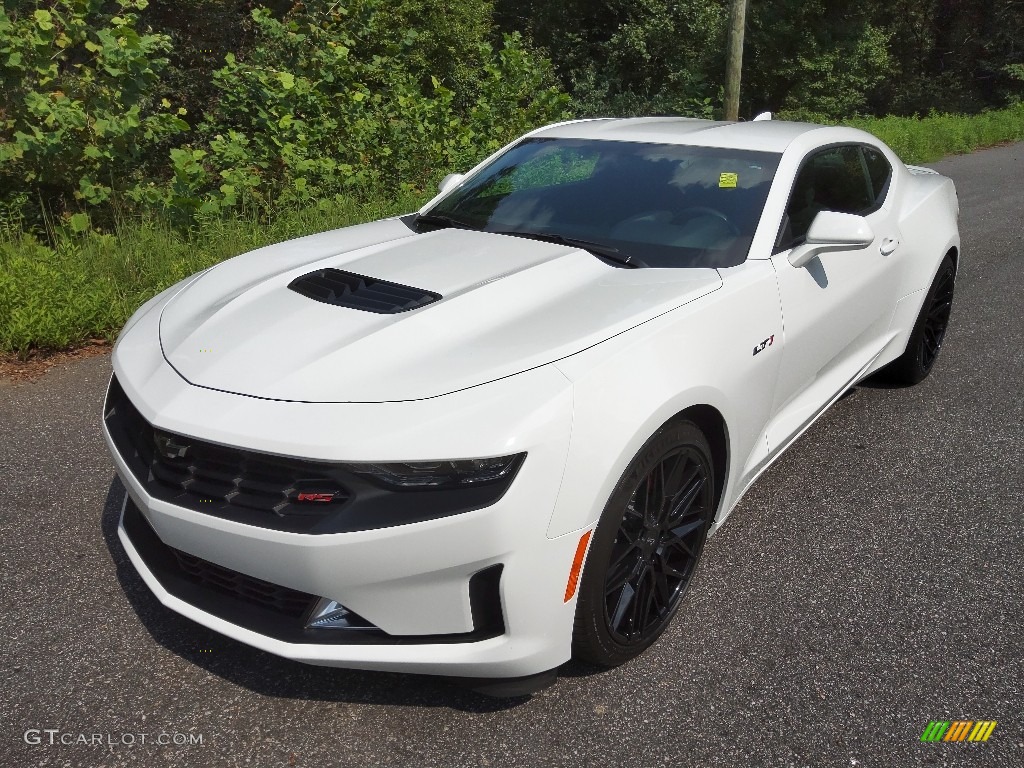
pixel 577 564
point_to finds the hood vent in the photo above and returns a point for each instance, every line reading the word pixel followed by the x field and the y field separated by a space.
pixel 346 289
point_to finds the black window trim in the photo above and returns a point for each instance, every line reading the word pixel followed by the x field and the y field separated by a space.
pixel 882 196
pixel 878 204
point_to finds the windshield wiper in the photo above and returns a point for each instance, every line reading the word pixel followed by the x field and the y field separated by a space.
pixel 440 221
pixel 600 250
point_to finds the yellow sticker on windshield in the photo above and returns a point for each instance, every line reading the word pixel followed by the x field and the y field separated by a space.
pixel 728 180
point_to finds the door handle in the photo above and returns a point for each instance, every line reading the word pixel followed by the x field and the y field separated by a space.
pixel 888 245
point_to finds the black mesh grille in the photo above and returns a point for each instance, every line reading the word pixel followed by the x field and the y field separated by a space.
pixel 345 289
pixel 248 588
pixel 281 612
pixel 278 492
pixel 245 486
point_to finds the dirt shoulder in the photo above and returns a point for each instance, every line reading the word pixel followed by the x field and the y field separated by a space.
pixel 19 371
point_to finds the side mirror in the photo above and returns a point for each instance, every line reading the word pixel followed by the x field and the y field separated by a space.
pixel 832 231
pixel 450 181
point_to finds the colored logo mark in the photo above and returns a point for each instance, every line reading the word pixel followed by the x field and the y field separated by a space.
pixel 958 730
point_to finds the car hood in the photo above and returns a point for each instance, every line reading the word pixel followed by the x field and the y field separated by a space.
pixel 508 304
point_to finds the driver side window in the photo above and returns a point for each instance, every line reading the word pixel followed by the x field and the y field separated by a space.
pixel 831 180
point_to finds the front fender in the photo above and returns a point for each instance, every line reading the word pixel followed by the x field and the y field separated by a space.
pixel 699 354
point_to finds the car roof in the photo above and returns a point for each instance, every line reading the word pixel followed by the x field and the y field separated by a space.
pixel 759 135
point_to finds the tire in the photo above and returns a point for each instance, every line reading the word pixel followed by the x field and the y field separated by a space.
pixel 914 365
pixel 646 547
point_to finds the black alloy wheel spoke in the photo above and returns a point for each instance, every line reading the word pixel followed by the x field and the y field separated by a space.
pixel 680 532
pixel 684 501
pixel 935 321
pixel 681 546
pixel 623 569
pixel 650 607
pixel 639 604
pixel 642 606
pixel 621 606
pixel 648 500
pixel 657 499
pixel 674 480
pixel 664 591
pixel 636 514
pixel 657 546
pixel 669 570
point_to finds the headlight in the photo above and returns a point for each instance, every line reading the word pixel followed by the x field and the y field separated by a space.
pixel 440 474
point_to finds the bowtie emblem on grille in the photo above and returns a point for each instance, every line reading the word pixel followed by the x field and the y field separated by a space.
pixel 168 448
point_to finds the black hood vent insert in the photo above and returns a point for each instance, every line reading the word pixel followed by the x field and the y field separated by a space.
pixel 346 289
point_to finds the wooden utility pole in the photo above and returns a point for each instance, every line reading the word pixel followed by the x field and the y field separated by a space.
pixel 734 59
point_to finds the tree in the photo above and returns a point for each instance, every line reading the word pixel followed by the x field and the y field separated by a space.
pixel 815 59
pixel 628 57
pixel 734 59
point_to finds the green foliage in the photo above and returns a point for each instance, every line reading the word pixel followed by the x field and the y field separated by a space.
pixel 201 33
pixel 325 103
pixel 76 119
pixel 950 56
pixel 51 297
pixel 938 135
pixel 817 59
pixel 320 98
pixel 322 113
pixel 823 58
pixel 1016 72
pixel 87 284
pixel 837 80
pixel 629 57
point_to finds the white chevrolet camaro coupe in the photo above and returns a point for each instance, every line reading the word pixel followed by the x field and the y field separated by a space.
pixel 484 438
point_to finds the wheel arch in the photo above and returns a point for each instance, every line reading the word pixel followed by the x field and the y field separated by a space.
pixel 580 501
pixel 710 421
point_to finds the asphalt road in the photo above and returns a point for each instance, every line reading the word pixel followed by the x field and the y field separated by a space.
pixel 869 583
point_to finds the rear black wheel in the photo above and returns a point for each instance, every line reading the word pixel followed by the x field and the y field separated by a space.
pixel 929 330
pixel 646 547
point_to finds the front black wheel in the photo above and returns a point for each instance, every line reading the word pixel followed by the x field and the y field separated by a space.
pixel 929 330
pixel 646 547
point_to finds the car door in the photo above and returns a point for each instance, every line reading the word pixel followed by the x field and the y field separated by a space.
pixel 836 308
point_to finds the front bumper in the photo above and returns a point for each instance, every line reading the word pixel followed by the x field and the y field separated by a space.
pixel 419 583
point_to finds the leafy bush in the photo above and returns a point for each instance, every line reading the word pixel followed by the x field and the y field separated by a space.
pixel 817 59
pixel 88 284
pixel 935 136
pixel 629 58
pixel 323 98
pixel 319 114
pixel 77 122
pixel 324 103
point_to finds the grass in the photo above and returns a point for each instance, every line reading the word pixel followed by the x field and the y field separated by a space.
pixel 88 284
pixel 926 139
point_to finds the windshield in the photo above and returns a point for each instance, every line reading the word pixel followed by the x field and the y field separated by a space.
pixel 661 205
